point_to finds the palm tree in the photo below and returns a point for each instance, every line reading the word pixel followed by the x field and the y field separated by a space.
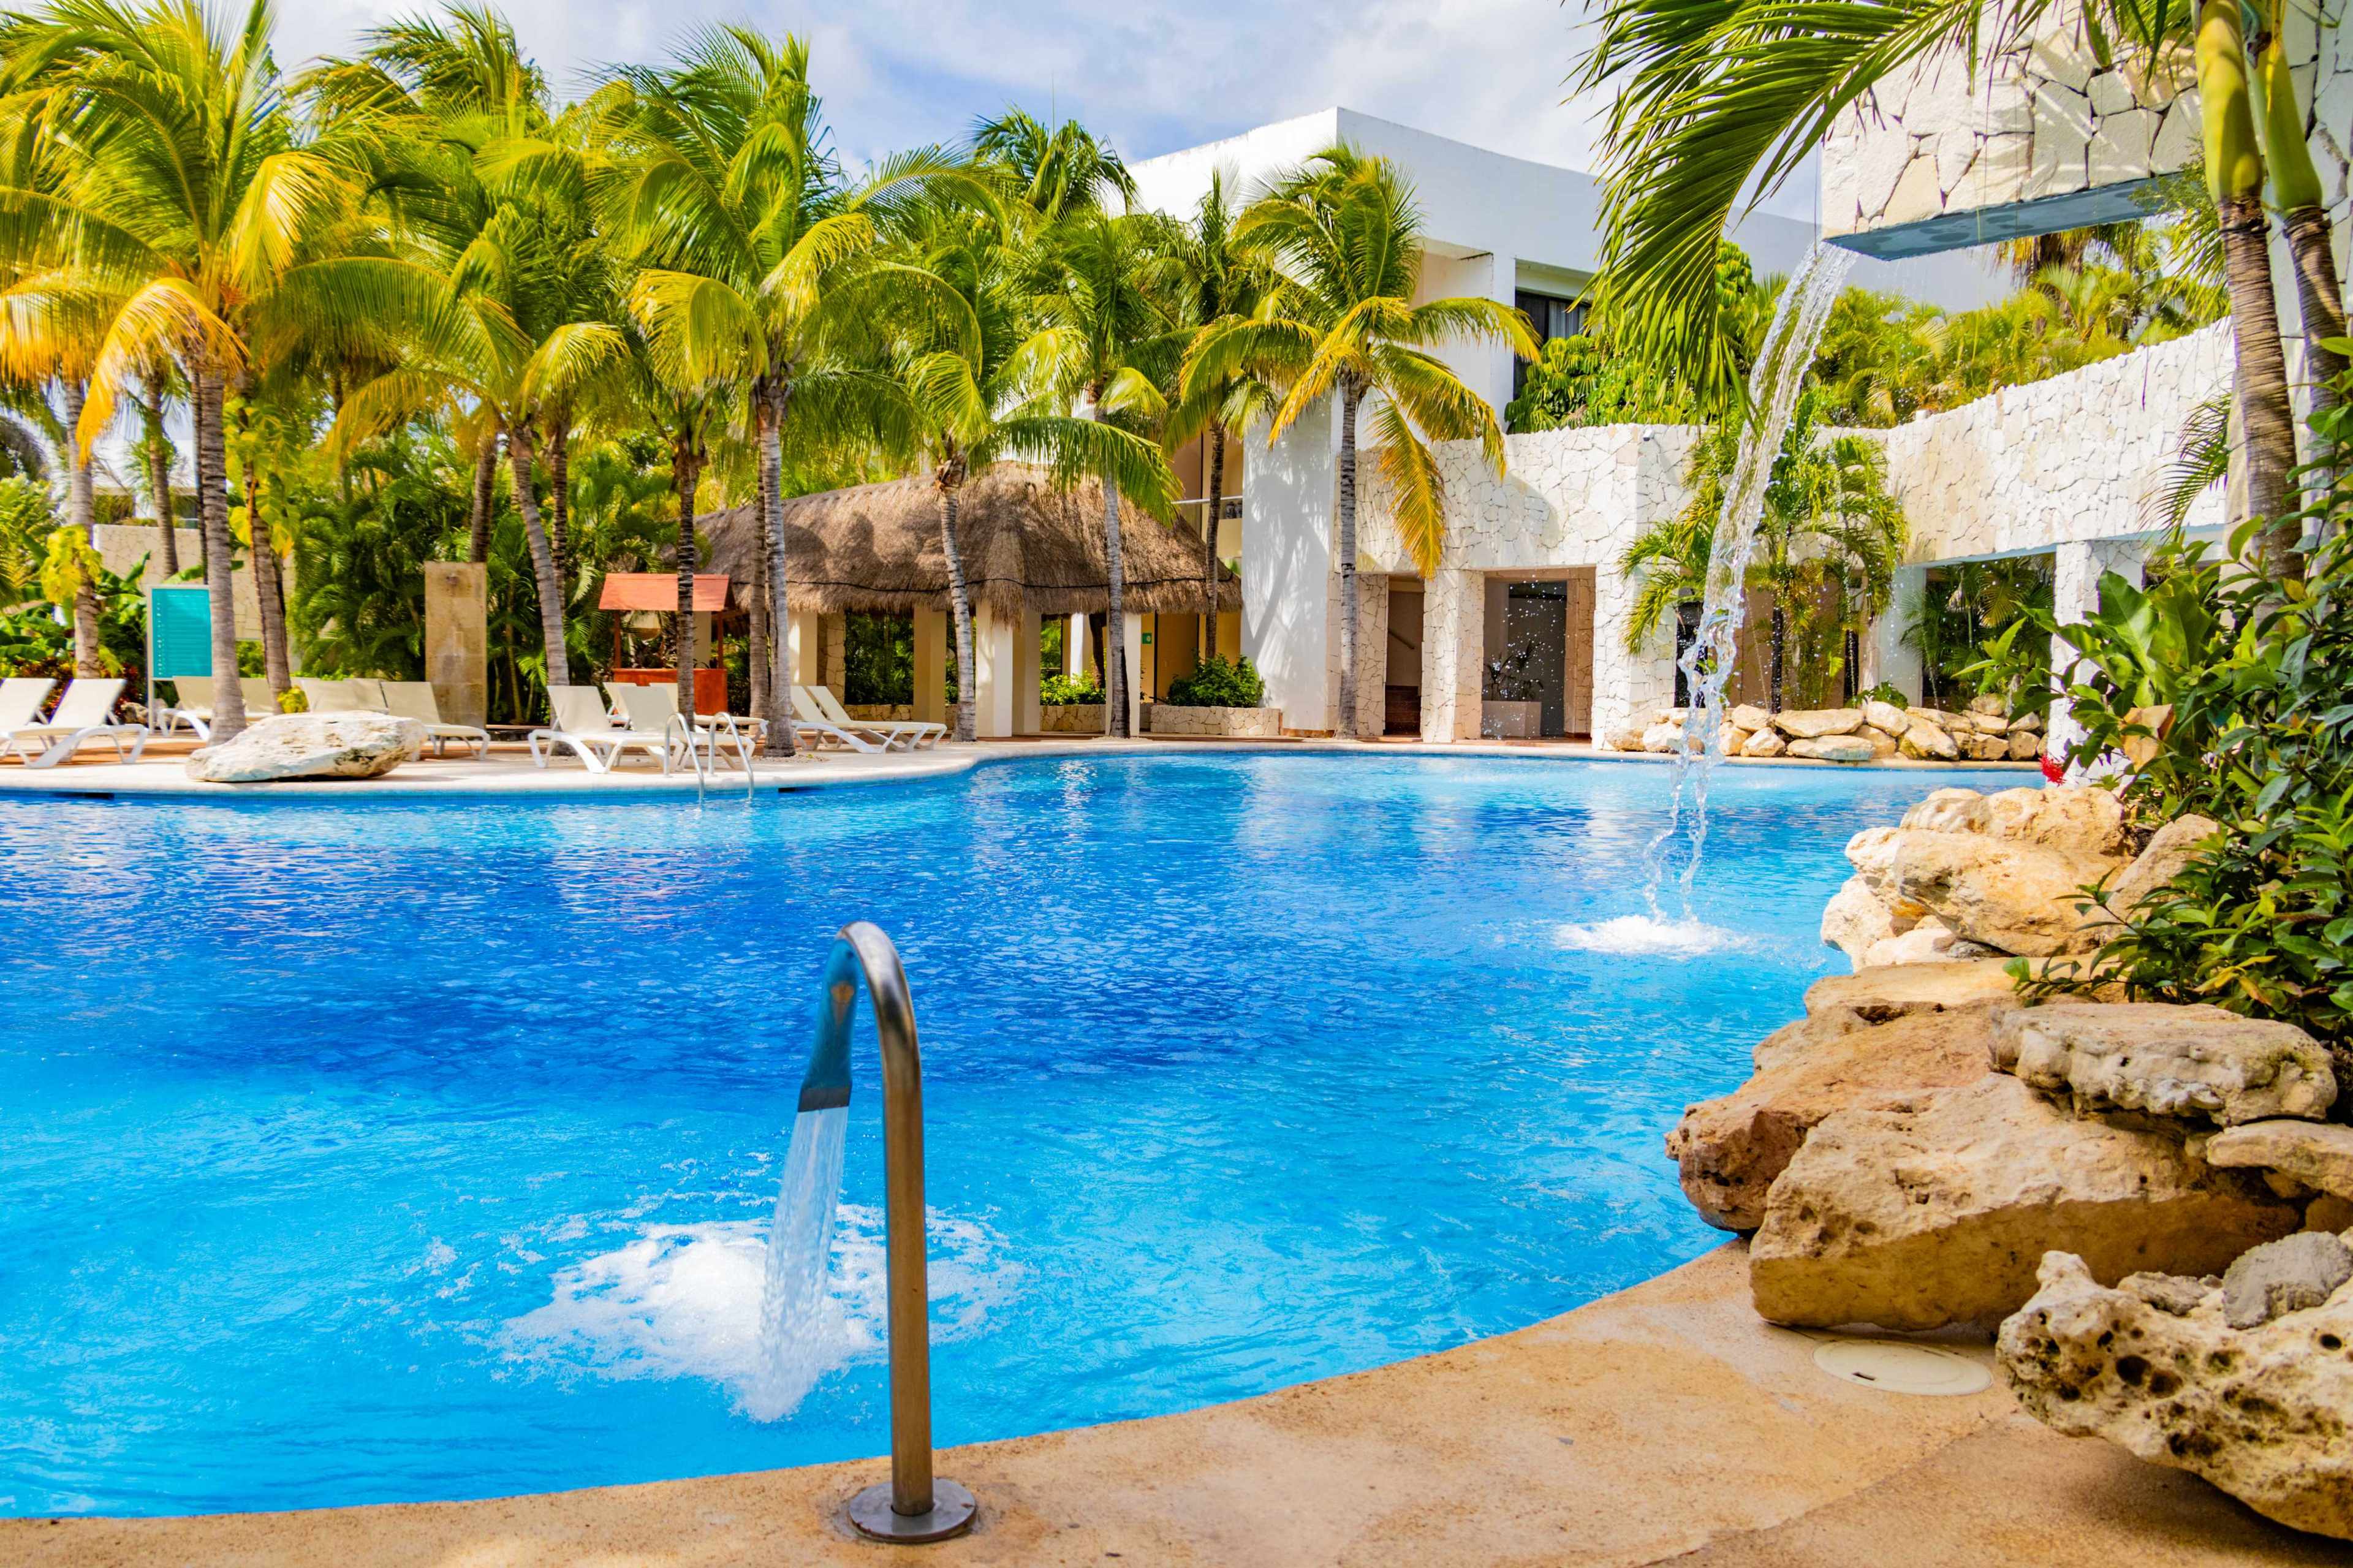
pixel 1343 229
pixel 192 201
pixel 1719 100
pixel 983 384
pixel 1221 282
pixel 748 242
pixel 1057 172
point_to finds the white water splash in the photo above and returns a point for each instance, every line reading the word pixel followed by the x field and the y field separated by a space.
pixel 798 1323
pixel 1645 936
pixel 1773 383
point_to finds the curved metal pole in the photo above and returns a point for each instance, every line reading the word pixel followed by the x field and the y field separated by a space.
pixel 920 1507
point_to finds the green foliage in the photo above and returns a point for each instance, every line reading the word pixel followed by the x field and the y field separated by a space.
pixel 26 520
pixel 878 657
pixel 1070 691
pixel 1884 692
pixel 358 605
pixel 1217 682
pixel 1981 627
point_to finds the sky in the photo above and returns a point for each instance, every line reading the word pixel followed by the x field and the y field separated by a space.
pixel 1153 76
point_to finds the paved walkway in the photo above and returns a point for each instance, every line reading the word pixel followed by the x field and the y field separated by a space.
pixel 1665 1423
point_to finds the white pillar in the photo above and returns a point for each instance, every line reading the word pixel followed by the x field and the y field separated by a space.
pixel 1027 656
pixel 1288 492
pixel 1627 687
pixel 992 674
pixel 1453 656
pixel 1886 656
pixel 1134 642
pixel 1074 646
pixel 2076 569
pixel 930 665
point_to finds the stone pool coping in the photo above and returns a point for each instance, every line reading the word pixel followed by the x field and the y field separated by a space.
pixel 1664 1423
pixel 508 771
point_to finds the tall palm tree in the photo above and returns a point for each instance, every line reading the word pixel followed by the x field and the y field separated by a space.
pixel 1057 172
pixel 983 384
pixel 1717 102
pixel 1343 321
pixel 192 199
pixel 747 240
pixel 1222 280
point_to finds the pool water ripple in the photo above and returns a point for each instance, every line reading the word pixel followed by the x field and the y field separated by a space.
pixel 377 1152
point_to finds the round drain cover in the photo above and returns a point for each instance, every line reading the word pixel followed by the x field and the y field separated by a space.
pixel 1892 1367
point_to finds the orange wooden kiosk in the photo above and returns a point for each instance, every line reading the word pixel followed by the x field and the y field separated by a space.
pixel 656 593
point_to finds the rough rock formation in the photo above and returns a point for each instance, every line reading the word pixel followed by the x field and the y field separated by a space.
pixel 1855 918
pixel 1885 716
pixel 311 746
pixel 1814 724
pixel 1728 1150
pixel 1880 995
pixel 1935 1210
pixel 2015 895
pixel 2318 1154
pixel 1928 742
pixel 1750 717
pixel 1833 748
pixel 2160 860
pixel 2261 1412
pixel 2184 1062
pixel 1764 743
pixel 2293 1274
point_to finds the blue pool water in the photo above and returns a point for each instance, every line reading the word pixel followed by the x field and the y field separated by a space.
pixel 382 1152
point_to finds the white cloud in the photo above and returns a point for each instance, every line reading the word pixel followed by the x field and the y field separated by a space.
pixel 1152 75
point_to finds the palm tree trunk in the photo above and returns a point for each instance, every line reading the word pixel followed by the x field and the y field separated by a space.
pixel 775 396
pixel 959 606
pixel 1217 509
pixel 1115 671
pixel 1348 399
pixel 486 490
pixel 212 497
pixel 261 551
pixel 159 480
pixel 685 468
pixel 1780 641
pixel 2235 177
pixel 2304 218
pixel 542 559
pixel 559 500
pixel 82 514
pixel 755 650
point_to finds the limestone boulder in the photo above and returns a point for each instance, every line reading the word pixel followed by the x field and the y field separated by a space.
pixel 1930 942
pixel 2293 1274
pixel 1727 1151
pixel 1881 743
pixel 2012 897
pixel 1948 811
pixel 1982 748
pixel 2318 1154
pixel 2082 819
pixel 1814 724
pixel 1936 716
pixel 1928 742
pixel 1750 717
pixel 2164 857
pixel 1626 739
pixel 1885 716
pixel 1764 743
pixel 1665 738
pixel 311 746
pixel 1731 738
pixel 1833 748
pixel 2186 1061
pixel 1934 1209
pixel 1856 919
pixel 2027 724
pixel 1881 995
pixel 2025 745
pixel 1988 705
pixel 2155 1368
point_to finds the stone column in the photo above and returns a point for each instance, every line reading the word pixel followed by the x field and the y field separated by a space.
pixel 1288 494
pixel 805 646
pixel 1027 634
pixel 457 639
pixel 2076 570
pixel 1627 687
pixel 1074 644
pixel 930 665
pixel 1453 654
pixel 1135 645
pixel 1886 656
pixel 833 669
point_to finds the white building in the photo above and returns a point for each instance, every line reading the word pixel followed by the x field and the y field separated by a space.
pixel 2066 466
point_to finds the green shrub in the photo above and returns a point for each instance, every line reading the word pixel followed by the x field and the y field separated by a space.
pixel 1216 683
pixel 1068 690
pixel 1887 693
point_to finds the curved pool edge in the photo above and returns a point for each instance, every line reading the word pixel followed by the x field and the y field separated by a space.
pixel 1663 1422
pixel 511 775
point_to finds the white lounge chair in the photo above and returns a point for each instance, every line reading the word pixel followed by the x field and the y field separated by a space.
pixel 415 699
pixel 332 695
pixel 85 712
pixel 583 727
pixel 810 723
pixel 906 735
pixel 194 705
pixel 21 697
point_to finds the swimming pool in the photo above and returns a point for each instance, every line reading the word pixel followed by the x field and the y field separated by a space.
pixel 359 1153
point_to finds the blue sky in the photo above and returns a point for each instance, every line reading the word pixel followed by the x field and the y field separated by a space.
pixel 1152 75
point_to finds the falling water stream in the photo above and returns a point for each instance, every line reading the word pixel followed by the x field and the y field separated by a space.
pixel 798 1316
pixel 1773 383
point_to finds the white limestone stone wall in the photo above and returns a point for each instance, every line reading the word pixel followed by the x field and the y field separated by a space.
pixel 2074 458
pixel 2044 122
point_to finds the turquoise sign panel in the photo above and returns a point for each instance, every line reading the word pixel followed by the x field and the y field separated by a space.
pixel 179 631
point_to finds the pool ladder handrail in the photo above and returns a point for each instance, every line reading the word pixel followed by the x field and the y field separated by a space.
pixel 704 775
pixel 914 1506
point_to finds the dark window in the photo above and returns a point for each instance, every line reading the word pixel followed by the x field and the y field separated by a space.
pixel 1552 316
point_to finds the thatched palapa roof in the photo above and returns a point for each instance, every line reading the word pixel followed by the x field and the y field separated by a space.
pixel 877 548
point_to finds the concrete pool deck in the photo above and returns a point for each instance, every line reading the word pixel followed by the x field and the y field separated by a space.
pixel 508 770
pixel 1663 1424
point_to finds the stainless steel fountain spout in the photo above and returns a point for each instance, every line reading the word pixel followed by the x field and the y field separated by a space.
pixel 915 1506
